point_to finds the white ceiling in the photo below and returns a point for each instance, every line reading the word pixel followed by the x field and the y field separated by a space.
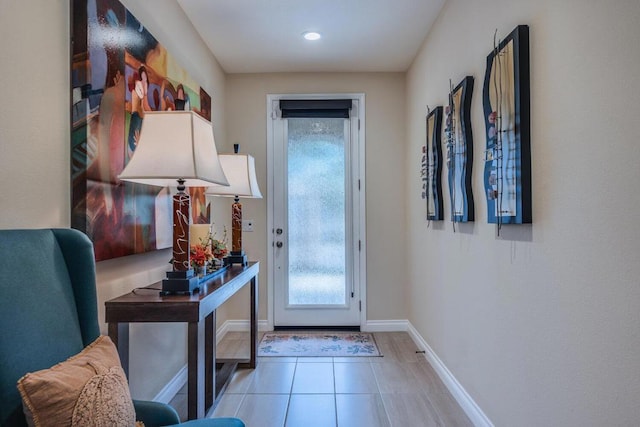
pixel 259 36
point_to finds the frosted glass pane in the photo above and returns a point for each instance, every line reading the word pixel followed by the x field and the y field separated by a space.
pixel 316 211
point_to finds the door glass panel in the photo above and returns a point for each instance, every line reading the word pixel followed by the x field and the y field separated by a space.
pixel 316 211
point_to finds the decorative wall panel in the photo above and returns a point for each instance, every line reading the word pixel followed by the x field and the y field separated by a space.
pixel 460 150
pixel 435 210
pixel 507 170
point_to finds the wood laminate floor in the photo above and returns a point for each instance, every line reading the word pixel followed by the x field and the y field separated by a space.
pixel 399 389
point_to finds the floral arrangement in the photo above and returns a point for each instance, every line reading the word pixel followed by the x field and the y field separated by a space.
pixel 219 247
pixel 201 253
pixel 208 250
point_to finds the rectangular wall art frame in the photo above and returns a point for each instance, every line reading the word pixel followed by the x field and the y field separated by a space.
pixel 460 150
pixel 435 210
pixel 119 71
pixel 507 171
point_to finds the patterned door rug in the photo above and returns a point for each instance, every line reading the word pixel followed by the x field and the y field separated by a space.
pixel 319 344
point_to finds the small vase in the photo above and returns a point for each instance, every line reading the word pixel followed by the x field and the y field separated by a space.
pixel 201 271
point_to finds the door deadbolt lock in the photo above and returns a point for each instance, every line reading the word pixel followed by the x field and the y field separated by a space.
pixel 278 230
pixel 279 244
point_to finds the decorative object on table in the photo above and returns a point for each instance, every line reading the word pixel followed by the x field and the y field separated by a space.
pixel 433 148
pixel 207 252
pixel 219 248
pixel 201 256
pixel 319 344
pixel 115 81
pixel 460 150
pixel 507 170
pixel 241 172
pixel 176 147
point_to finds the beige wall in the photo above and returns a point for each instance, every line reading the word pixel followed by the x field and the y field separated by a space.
pixel 539 325
pixel 385 199
pixel 34 150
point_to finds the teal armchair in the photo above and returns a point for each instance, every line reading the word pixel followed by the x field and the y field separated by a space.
pixel 48 313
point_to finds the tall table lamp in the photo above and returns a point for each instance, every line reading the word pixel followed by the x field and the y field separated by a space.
pixel 240 170
pixel 176 148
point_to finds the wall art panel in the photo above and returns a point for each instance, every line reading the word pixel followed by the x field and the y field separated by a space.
pixel 507 170
pixel 459 146
pixel 435 210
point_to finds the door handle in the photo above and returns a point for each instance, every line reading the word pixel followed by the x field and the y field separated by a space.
pixel 279 244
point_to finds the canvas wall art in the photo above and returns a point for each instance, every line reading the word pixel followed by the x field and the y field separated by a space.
pixel 507 171
pixel 119 71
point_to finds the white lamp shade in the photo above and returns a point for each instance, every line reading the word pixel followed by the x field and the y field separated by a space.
pixel 240 170
pixel 175 145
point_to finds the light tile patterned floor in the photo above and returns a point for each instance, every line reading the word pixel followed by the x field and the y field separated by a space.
pixel 399 389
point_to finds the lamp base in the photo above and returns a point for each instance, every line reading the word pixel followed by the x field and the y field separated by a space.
pixel 238 257
pixel 180 282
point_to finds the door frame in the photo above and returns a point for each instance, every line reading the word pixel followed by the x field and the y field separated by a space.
pixel 360 269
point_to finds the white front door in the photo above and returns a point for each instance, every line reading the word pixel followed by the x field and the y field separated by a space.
pixel 316 218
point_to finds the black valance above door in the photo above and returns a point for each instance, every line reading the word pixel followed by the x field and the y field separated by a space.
pixel 311 108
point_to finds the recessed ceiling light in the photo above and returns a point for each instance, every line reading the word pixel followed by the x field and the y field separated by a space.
pixel 311 35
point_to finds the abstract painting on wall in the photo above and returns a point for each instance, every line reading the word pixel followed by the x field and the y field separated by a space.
pixel 507 171
pixel 459 146
pixel 119 71
pixel 435 210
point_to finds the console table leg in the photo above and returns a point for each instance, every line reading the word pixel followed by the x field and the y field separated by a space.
pixel 119 334
pixel 195 366
pixel 254 321
pixel 210 355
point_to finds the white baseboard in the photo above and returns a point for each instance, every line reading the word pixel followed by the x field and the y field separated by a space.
pixel 385 326
pixel 172 388
pixel 473 411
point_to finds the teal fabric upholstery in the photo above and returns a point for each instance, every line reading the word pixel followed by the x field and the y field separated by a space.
pixel 216 422
pixel 155 413
pixel 49 312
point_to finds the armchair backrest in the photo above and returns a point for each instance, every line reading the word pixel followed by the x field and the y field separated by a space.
pixel 48 305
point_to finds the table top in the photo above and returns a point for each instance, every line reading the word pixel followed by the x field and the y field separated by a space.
pixel 147 305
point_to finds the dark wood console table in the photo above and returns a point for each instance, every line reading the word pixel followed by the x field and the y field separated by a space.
pixel 207 375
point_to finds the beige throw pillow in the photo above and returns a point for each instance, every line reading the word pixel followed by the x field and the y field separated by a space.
pixel 89 389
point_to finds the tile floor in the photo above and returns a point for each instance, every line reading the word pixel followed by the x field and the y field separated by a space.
pixel 399 389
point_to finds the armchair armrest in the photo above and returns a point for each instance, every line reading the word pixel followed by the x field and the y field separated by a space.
pixel 213 422
pixel 155 413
